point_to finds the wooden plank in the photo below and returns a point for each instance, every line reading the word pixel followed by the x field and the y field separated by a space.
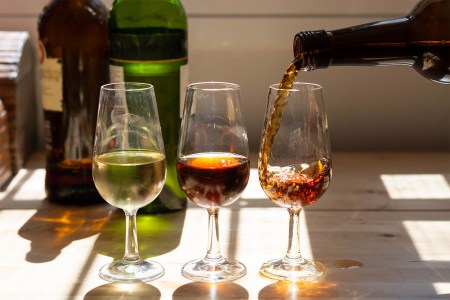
pixel 54 237
pixel 403 252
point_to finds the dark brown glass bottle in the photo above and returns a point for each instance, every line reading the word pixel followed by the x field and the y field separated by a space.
pixel 73 44
pixel 420 40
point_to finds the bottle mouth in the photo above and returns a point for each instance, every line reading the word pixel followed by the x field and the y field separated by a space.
pixel 309 41
pixel 308 46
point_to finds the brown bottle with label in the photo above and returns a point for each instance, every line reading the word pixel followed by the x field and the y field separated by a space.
pixel 420 40
pixel 73 44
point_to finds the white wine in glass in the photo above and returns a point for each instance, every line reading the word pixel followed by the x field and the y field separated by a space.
pixel 129 167
pixel 129 178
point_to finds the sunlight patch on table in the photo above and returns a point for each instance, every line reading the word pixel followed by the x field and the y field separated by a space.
pixel 442 288
pixel 78 255
pixel 18 178
pixel 416 186
pixel 226 227
pixel 430 239
pixel 305 242
pixel 14 219
pixel 33 188
pixel 253 189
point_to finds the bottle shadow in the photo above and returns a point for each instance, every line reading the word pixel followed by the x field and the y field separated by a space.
pixel 157 234
pixel 54 227
pixel 216 291
pixel 129 291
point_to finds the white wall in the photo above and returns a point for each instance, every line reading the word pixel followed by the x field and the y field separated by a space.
pixel 249 42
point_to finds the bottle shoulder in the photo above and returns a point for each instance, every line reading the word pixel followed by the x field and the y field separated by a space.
pixel 83 27
pixel 147 13
pixel 62 12
pixel 430 21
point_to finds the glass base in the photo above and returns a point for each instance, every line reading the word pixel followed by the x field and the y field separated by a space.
pixel 204 270
pixel 123 271
pixel 293 270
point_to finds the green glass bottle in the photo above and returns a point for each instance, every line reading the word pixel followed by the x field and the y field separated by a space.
pixel 148 43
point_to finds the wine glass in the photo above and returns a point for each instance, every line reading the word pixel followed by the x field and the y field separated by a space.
pixel 129 167
pixel 294 167
pixel 213 167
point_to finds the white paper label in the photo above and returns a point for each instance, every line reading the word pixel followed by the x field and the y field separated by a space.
pixel 184 81
pixel 116 74
pixel 51 84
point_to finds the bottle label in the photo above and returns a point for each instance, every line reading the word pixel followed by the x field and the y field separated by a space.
pixel 148 44
pixel 51 82
pixel 116 74
pixel 184 81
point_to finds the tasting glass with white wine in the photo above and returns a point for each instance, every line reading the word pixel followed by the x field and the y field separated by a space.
pixel 129 167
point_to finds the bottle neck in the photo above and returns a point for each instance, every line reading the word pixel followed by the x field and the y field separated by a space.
pixel 377 43
pixel 307 44
pixel 376 34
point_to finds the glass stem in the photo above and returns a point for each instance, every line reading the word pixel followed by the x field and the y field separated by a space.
pixel 293 252
pixel 131 243
pixel 213 253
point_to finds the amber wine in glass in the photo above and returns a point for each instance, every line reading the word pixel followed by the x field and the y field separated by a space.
pixel 294 167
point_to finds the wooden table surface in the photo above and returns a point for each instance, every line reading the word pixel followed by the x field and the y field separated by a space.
pixel 388 211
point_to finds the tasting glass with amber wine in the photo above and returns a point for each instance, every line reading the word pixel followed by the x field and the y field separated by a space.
pixel 213 167
pixel 129 167
pixel 294 167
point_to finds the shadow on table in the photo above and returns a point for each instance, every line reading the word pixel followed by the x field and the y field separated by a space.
pixel 128 291
pixel 216 291
pixel 157 234
pixel 53 228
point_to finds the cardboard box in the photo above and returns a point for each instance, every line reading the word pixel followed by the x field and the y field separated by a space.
pixel 5 161
pixel 17 90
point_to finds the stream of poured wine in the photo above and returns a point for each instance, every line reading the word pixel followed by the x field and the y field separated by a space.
pixel 274 122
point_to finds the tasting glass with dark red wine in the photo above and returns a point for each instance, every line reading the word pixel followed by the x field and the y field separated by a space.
pixel 213 167
pixel 294 167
